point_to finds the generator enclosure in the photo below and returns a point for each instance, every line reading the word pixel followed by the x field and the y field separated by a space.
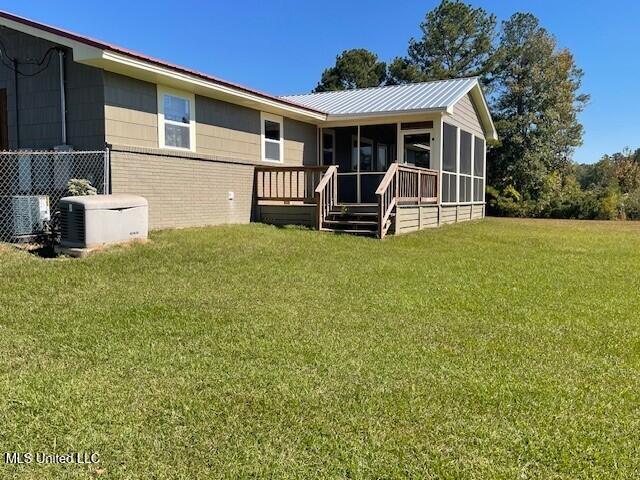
pixel 92 220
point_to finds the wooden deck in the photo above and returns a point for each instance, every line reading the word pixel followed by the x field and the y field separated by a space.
pixel 308 195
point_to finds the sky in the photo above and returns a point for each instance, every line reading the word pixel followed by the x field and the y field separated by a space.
pixel 282 46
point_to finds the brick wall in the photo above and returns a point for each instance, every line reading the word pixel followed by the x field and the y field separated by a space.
pixel 184 190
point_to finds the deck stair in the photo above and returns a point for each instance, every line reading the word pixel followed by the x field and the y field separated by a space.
pixel 355 219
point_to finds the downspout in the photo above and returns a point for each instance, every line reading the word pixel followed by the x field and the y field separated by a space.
pixel 15 87
pixel 63 106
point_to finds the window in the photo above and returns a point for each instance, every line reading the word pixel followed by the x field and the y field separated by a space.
pixel 176 119
pixel 417 149
pixel 478 169
pixel 328 147
pixel 272 138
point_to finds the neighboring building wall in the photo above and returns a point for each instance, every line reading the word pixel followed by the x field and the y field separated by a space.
pixel 466 117
pixel 184 190
pixel 39 96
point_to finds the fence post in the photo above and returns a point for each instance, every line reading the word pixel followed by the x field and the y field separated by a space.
pixel 107 170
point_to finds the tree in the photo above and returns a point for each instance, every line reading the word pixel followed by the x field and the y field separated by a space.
pixel 457 41
pixel 536 107
pixel 356 68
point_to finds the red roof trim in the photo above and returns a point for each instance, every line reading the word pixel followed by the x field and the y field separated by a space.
pixel 114 48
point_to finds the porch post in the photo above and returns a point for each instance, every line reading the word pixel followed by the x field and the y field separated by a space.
pixel 358 167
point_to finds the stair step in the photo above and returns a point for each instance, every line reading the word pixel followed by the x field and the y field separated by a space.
pixel 352 222
pixel 353 232
pixel 354 214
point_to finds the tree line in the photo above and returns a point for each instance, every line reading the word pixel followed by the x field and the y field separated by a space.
pixel 533 88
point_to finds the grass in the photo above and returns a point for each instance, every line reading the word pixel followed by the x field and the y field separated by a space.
pixel 499 349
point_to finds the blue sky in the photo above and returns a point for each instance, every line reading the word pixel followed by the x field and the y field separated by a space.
pixel 282 46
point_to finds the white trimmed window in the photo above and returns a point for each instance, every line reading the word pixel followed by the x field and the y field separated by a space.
pixel 272 138
pixel 176 119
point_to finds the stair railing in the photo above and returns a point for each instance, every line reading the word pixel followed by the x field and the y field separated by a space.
pixel 326 195
pixel 387 199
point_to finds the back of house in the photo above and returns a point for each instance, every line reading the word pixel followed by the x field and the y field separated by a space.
pixel 206 151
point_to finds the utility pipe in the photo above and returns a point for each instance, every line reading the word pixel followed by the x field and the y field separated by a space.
pixel 63 106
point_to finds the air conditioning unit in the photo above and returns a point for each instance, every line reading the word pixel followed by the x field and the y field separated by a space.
pixel 92 220
pixel 24 215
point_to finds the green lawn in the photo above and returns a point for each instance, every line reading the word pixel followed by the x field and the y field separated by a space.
pixel 499 349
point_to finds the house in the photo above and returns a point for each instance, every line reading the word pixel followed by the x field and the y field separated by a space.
pixel 206 151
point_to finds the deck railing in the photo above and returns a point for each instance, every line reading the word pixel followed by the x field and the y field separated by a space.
pixel 417 185
pixel 326 195
pixel 287 184
pixel 402 185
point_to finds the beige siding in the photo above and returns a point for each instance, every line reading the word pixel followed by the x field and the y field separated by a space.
pixel 223 129
pixel 448 215
pixel 184 192
pixel 412 218
pixel 227 130
pixel 300 143
pixel 466 117
pixel 131 108
pixel 464 213
pixel 477 212
pixel 286 214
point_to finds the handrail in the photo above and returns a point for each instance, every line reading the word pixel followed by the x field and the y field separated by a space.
pixel 287 183
pixel 326 195
pixel 387 193
pixel 404 184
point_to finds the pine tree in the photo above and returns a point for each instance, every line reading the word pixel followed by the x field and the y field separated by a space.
pixel 356 68
pixel 457 41
pixel 536 107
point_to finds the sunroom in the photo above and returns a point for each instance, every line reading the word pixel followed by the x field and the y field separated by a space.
pixel 390 160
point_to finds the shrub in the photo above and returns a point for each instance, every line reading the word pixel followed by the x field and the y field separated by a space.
pixel 80 186
pixel 632 205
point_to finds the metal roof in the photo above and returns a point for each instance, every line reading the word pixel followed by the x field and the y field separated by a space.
pixel 425 96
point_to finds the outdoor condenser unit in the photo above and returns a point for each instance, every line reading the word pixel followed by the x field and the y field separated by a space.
pixel 27 214
pixel 91 220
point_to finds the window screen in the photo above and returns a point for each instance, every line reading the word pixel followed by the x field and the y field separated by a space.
pixel 449 188
pixel 465 152
pixel 478 157
pixel 478 190
pixel 465 189
pixel 449 147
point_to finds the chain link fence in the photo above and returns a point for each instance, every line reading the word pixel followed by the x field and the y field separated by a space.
pixel 32 183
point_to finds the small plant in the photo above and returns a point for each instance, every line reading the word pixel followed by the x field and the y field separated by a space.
pixel 80 186
pixel 49 237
